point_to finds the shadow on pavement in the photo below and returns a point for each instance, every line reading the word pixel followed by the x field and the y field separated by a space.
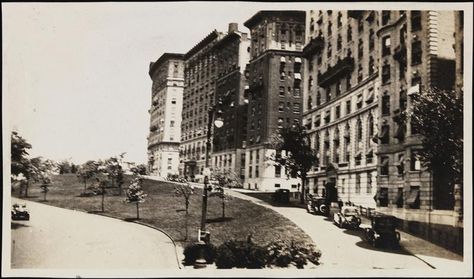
pixel 131 219
pixel 364 244
pixel 95 211
pixel 18 225
pixel 219 220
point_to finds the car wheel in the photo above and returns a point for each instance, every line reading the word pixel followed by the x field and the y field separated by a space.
pixel 323 209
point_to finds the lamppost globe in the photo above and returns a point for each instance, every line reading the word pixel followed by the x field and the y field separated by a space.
pixel 219 122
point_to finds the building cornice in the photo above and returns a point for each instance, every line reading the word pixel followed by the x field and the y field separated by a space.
pixel 163 58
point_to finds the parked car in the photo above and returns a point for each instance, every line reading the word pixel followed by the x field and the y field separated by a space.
pixel 19 212
pixel 317 205
pixel 383 231
pixel 348 217
pixel 281 196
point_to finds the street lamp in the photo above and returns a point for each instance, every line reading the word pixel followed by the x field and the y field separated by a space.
pixel 214 117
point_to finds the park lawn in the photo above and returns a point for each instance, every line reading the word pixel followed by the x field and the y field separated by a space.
pixel 165 210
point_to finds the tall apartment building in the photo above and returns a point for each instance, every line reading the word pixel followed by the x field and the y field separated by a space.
pixel 275 96
pixel 416 53
pixel 200 76
pixel 232 54
pixel 167 74
pixel 341 89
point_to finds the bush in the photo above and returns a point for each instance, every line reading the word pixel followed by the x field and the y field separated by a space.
pixel 241 254
pixel 191 253
pixel 283 254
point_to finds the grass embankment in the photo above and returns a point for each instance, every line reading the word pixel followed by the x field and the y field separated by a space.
pixel 163 209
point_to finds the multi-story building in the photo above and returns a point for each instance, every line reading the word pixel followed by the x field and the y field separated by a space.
pixel 341 89
pixel 416 52
pixel 275 95
pixel 232 53
pixel 167 74
pixel 200 82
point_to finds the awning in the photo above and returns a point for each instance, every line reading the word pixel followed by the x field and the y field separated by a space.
pixel 297 60
pixel 283 59
pixel 370 97
pixel 358 155
pixel 298 76
pixel 414 89
pixel 414 196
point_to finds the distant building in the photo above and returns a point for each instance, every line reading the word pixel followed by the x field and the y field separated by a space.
pixel 341 89
pixel 232 54
pixel 167 74
pixel 416 53
pixel 275 94
pixel 200 76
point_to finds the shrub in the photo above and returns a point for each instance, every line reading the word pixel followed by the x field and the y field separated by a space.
pixel 241 254
pixel 283 254
pixel 191 253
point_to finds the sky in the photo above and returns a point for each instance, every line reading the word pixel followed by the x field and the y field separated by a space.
pixel 75 75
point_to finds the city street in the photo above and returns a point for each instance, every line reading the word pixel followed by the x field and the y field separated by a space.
pixel 66 239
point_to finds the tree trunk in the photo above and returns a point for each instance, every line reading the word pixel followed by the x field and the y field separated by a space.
pixel 138 212
pixel 103 199
pixel 186 221
pixel 303 196
pixel 26 188
pixel 223 207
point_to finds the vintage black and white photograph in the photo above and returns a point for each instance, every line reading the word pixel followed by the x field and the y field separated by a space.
pixel 236 139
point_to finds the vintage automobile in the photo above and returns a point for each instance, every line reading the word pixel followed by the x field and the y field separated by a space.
pixel 317 205
pixel 348 217
pixel 19 212
pixel 383 231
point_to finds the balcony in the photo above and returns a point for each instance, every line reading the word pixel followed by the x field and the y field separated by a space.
pixel 355 14
pixel 332 74
pixel 313 47
pixel 400 54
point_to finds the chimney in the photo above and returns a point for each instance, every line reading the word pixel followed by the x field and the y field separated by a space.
pixel 233 27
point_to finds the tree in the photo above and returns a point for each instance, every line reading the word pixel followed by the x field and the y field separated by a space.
pixel 183 190
pixel 87 171
pixel 39 170
pixel 225 178
pixel 437 115
pixel 19 160
pixel 73 168
pixel 98 188
pixel 135 193
pixel 64 167
pixel 299 158
pixel 139 169
pixel 115 171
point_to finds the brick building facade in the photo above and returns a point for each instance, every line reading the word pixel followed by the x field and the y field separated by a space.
pixel 275 95
pixel 340 104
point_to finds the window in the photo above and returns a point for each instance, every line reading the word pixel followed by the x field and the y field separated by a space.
pixel 277 185
pixel 416 53
pixel 329 29
pixel 297 92
pixel 338 88
pixel 348 106
pixel 282 91
pixel 250 172
pixel 349 33
pixel 296 108
pixel 369 183
pixel 386 44
pixel 338 112
pixel 360 26
pixel 173 101
pixel 359 101
pixel 171 123
pixel 281 106
pixel 386 74
pixel 328 93
pixel 385 17
pixel 339 19
pixel 359 130
pixel 327 117
pixel 403 100
pixel 384 165
pixel 357 183
pixel 360 73
pixel 280 122
pixel 318 98
pixel 415 163
pixel 361 48
pixel 339 42
pixel 371 66
pixel 400 164
pixel 371 40
pixel 384 136
pixel 256 171
pixel 382 197
pixel 413 199
pixel 282 76
pixel 399 197
pixel 386 105
pixel 415 20
pixel 277 171
pixel 170 161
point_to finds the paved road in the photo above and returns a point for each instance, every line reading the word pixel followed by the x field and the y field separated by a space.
pixel 66 239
